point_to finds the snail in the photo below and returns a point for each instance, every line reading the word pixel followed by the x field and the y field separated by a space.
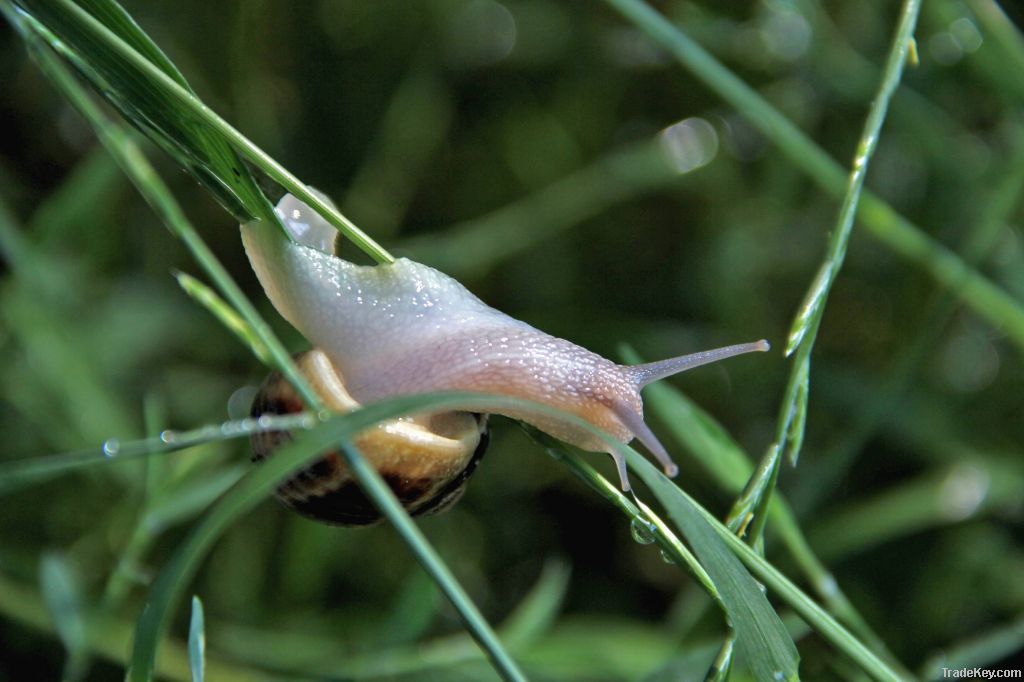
pixel 405 328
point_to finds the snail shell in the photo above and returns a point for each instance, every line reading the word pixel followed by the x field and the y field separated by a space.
pixel 426 459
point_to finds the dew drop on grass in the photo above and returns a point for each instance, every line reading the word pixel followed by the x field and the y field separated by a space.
pixel 168 436
pixel 111 447
pixel 642 532
pixel 667 558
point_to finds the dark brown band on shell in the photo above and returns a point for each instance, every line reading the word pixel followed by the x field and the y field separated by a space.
pixel 324 490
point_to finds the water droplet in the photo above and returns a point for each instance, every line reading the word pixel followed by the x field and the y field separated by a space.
pixel 264 422
pixel 778 676
pixel 240 402
pixel 667 558
pixel 324 415
pixel 168 436
pixel 111 447
pixel 689 144
pixel 642 531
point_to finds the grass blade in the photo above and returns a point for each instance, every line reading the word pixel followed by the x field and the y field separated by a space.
pixel 981 650
pixel 225 314
pixel 63 596
pixel 20 473
pixel 805 327
pixel 536 613
pixel 96 45
pixel 731 469
pixel 158 196
pixel 753 502
pixel 762 642
pixel 197 641
pixel 775 581
pixel 168 588
pixel 201 151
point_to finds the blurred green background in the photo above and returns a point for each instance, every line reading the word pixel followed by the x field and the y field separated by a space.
pixel 572 175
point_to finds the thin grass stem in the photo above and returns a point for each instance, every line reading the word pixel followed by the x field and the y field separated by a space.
pixel 805 327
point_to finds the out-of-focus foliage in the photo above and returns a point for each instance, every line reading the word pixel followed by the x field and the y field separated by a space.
pixel 573 175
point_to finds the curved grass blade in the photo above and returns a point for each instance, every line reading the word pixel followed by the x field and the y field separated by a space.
pixel 157 195
pixel 197 148
pixel 260 482
pixel 731 468
pixel 226 315
pixel 811 613
pixel 762 642
pixel 673 497
pixel 536 612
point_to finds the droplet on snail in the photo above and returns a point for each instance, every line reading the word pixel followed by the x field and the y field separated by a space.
pixel 405 328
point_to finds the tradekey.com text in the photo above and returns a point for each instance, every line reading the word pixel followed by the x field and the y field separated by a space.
pixel 981 674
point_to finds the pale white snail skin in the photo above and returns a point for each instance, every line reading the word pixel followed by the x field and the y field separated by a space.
pixel 406 328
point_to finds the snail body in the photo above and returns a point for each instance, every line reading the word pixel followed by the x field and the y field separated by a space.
pixel 405 328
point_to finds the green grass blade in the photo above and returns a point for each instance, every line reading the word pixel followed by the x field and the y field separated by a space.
pixel 731 468
pixel 982 650
pixel 169 587
pixel 225 314
pixel 201 151
pixel 753 502
pixel 96 44
pixel 537 611
pixel 774 580
pixel 434 565
pixel 881 220
pixel 645 524
pixel 197 641
pixel 721 667
pixel 158 196
pixel 114 17
pixel 19 473
pixel 762 642
pixel 62 593
pixel 804 331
